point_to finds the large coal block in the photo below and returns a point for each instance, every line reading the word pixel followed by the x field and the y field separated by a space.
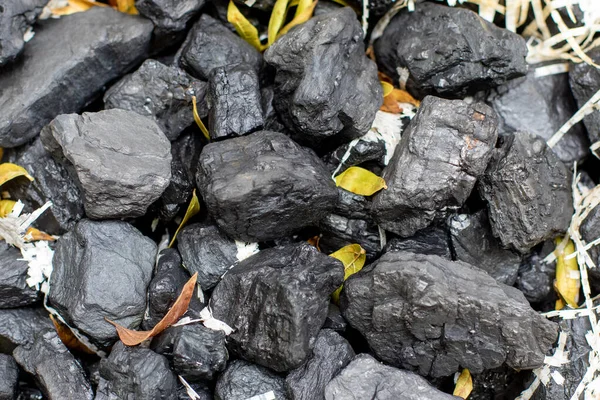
pixel 585 82
pixel 442 153
pixel 276 300
pixel 434 240
pixel 15 19
pixel 325 86
pixel 19 326
pixel 433 316
pixel 14 290
pixel 9 377
pixel 243 380
pixel 264 186
pixel 169 16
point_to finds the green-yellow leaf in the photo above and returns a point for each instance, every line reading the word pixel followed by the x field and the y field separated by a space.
pixel 360 181
pixel 464 384
pixel 277 19
pixel 567 282
pixel 198 120
pixel 10 171
pixel 388 88
pixel 299 19
pixel 193 209
pixel 302 5
pixel 353 257
pixel 243 27
pixel 6 207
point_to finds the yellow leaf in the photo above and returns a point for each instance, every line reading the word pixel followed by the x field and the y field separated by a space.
pixel 388 88
pixel 302 5
pixel 277 18
pixel 198 120
pixel 124 6
pixel 342 2
pixel 464 384
pixel 76 6
pixel 567 283
pixel 34 234
pixel 6 207
pixel 402 96
pixel 243 27
pixel 192 210
pixel 10 171
pixel 360 181
pixel 299 19
pixel 353 257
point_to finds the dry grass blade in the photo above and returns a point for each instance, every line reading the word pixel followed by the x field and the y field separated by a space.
pixel 198 120
pixel 193 209
pixel 243 27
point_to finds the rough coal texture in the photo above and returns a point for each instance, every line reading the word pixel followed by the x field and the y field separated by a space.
pixel 101 270
pixel 234 102
pixel 585 82
pixel 366 378
pixel 58 374
pixel 528 190
pixel 9 376
pixel 499 383
pixel 449 51
pixel 210 44
pixel 264 186
pixel 242 380
pixel 14 290
pixel 135 373
pixel 330 354
pixel 162 93
pixel 53 78
pixel 276 300
pixel 121 160
pixel 435 316
pixel 473 242
pixel 442 153
pixel 536 277
pixel 361 152
pixel 338 231
pixel 201 390
pixel 334 319
pixel 16 18
pixel 326 89
pixel 167 15
pixel 434 240
pixel 19 326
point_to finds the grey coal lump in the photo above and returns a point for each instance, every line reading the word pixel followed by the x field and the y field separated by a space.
pixel 167 15
pixel 9 377
pixel 14 290
pixel 243 380
pixel 585 82
pixel 16 18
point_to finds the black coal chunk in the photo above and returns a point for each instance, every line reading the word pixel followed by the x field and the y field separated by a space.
pixel 338 231
pixel 528 190
pixel 58 374
pixel 19 326
pixel 9 377
pixel 433 316
pixel 334 319
pixel 234 102
pixel 169 16
pixel 351 154
pixel 121 159
pixel 14 290
pixel 264 186
pixel 366 378
pixel 160 92
pixel 276 300
pixel 135 373
pixel 325 86
pixel 331 353
pixel 16 19
pixel 242 380
pixel 442 153
pixel 54 79
pixel 101 270
pixel 536 277
pixel 433 240
pixel 585 82
pixel 449 51
pixel 210 44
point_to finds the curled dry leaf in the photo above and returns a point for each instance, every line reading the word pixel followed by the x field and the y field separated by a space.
pixel 567 282
pixel 314 241
pixel 302 5
pixel 68 338
pixel 464 384
pixel 34 234
pixel 6 207
pixel 277 19
pixel 390 105
pixel 193 209
pixel 353 257
pixel 360 181
pixel 299 18
pixel 124 6
pixel 75 6
pixel 198 120
pixel 10 171
pixel 388 88
pixel 243 27
pixel 133 338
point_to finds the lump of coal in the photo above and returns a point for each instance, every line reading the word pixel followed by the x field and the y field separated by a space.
pixel 528 190
pixel 449 51
pixel 276 300
pixel 243 380
pixel 351 154
pixel 14 290
pixel 339 231
pixel 9 376
pixel 433 316
pixel 366 378
pixel 159 92
pixel 264 186
pixel 169 16
pixel 536 277
pixel 325 86
pixel 121 159
pixel 442 152
pixel 432 240
pixel 585 82
pixel 101 270
pixel 16 18
pixel 20 326
pixel 330 354
pixel 55 79
pixel 334 319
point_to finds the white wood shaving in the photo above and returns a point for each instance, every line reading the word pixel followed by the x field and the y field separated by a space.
pixel 245 250
pixel 589 107
pixel 557 377
pixel 212 323
pixel 382 237
pixel 552 69
pixel 188 389
pixel 28 35
pixel 187 321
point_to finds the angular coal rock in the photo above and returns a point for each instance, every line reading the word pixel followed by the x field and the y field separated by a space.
pixel 448 51
pixel 339 231
pixel 499 383
pixel 9 377
pixel 473 242
pixel 121 159
pixel 348 155
pixel 334 319
pixel 55 79
pixel 330 355
pixel 433 316
pixel 210 44
pixel 58 373
pixel 207 251
pixel 14 290
pixel 433 240
pixel 325 86
pixel 203 392
pixel 276 300
pixel 366 378
pixel 169 16
pixel 135 373
pixel 442 153
pixel 101 270
pixel 161 93
pixel 196 353
pixel 264 186
pixel 16 19
pixel 242 380
pixel 585 82
pixel 536 277
pixel 528 190
pixel 272 121
pixel 234 102
pixel 19 326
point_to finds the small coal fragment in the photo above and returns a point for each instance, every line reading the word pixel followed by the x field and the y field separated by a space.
pixel 210 44
pixel 334 319
pixel 135 373
pixel 243 380
pixel 590 231
pixel 234 103
pixel 325 86
pixel 58 374
pixel 366 378
pixel 585 82
pixel 9 377
pixel 434 316
pixel 449 51
pixel 338 231
pixel 54 78
pixel 536 277
pixel 201 390
pixel 276 300
pixel 349 154
pixel 169 16
pixel 499 383
pixel 19 326
pixel 14 290
pixel 101 270
pixel 121 159
pixel 432 240
pixel 443 151
pixel 264 186
pixel 16 19
pixel 528 190
pixel 161 93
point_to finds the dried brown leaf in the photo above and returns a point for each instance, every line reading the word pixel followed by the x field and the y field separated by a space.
pixel 68 338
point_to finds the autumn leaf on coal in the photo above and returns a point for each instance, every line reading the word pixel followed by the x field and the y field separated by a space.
pixel 464 384
pixel 124 6
pixel 9 171
pixel 68 338
pixel 567 282
pixel 193 209
pixel 353 257
pixel 301 17
pixel 6 207
pixel 360 181
pixel 198 120
pixel 243 27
